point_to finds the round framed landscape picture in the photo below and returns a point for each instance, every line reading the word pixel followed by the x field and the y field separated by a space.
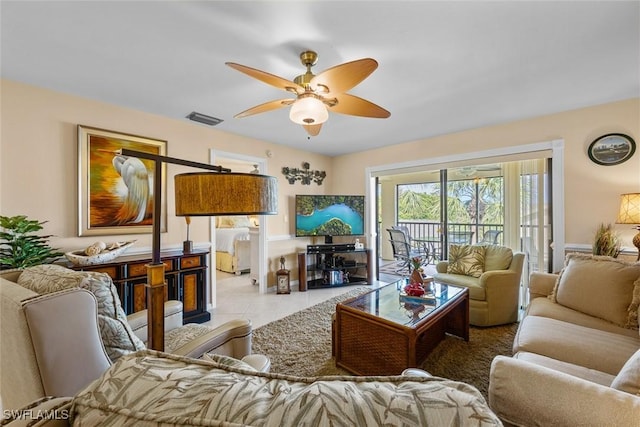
pixel 612 149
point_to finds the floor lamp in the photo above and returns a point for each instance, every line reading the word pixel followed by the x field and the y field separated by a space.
pixel 630 214
pixel 217 192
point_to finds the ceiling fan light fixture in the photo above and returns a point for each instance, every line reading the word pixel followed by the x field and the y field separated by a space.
pixel 308 110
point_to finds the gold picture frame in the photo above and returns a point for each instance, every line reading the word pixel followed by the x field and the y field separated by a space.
pixel 115 193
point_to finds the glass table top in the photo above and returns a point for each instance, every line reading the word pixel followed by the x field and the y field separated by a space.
pixel 389 302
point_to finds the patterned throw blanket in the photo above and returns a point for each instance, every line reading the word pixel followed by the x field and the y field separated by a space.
pixel 150 388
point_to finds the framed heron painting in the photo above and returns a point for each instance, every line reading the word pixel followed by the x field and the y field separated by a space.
pixel 115 192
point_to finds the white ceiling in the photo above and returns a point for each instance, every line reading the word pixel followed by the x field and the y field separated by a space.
pixel 443 66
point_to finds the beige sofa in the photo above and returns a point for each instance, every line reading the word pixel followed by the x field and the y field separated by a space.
pixel 577 351
pixel 492 273
pixel 51 345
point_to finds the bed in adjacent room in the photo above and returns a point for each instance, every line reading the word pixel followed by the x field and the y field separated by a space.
pixel 232 244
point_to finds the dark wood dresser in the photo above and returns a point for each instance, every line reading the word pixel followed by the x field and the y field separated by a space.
pixel 185 274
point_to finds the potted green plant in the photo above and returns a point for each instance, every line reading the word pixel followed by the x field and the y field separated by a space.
pixel 606 241
pixel 20 247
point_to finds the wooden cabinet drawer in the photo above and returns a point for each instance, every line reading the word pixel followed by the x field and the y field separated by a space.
pixel 112 271
pixel 137 270
pixel 190 262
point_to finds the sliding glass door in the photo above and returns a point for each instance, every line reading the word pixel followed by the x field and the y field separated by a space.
pixel 500 203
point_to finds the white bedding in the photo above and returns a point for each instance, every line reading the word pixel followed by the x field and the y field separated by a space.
pixel 226 237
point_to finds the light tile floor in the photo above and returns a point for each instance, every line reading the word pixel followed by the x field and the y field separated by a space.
pixel 239 299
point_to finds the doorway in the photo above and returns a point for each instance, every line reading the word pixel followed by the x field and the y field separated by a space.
pixel 245 164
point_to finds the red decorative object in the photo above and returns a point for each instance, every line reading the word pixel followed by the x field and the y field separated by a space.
pixel 414 289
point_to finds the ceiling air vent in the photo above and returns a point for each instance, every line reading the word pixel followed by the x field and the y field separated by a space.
pixel 203 118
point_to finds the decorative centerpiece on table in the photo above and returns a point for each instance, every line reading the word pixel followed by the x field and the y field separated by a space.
pixel 416 270
pixel 98 253
pixel 415 288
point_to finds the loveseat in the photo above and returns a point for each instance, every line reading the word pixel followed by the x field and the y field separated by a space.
pixel 492 273
pixel 54 339
pixel 576 355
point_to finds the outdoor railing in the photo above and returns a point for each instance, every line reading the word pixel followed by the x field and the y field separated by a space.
pixel 425 230
pixel 456 233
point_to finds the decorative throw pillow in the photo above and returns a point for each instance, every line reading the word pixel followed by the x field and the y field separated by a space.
pixel 117 336
pixel 466 259
pixel 48 278
pixel 233 221
pixel 497 257
pixel 628 379
pixel 599 286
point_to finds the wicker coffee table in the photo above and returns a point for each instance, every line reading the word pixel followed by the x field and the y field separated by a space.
pixel 379 333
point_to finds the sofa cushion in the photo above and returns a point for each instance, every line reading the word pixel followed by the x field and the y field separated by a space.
pixel 497 257
pixel 117 336
pixel 467 260
pixel 628 379
pixel 599 286
pixel 156 388
pixel 575 344
pixel 476 291
pixel 544 307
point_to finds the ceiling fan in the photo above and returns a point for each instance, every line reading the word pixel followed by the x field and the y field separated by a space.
pixel 468 171
pixel 316 95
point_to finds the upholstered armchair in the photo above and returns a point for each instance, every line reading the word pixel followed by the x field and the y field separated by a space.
pixel 55 344
pixel 492 273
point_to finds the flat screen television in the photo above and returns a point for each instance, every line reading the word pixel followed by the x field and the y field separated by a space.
pixel 329 216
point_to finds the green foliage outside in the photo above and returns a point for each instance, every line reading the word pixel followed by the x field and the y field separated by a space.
pixel 20 247
pixel 422 202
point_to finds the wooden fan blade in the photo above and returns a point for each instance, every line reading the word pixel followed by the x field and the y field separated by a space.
pixel 312 130
pixel 343 77
pixel 355 106
pixel 268 78
pixel 263 108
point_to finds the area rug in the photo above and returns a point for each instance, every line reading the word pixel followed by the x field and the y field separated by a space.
pixel 300 344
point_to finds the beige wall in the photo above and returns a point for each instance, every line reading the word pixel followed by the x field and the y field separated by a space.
pixel 592 192
pixel 38 174
pixel 38 157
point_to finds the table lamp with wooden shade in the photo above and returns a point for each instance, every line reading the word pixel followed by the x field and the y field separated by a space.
pixel 630 214
pixel 217 192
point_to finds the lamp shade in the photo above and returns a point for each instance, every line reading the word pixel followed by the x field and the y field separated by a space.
pixel 629 209
pixel 308 110
pixel 211 194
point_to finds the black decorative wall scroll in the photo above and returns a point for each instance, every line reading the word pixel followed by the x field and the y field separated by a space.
pixel 304 175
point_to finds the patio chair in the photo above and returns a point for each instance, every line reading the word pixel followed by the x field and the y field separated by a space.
pixel 460 237
pixel 415 245
pixel 402 250
pixel 491 237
